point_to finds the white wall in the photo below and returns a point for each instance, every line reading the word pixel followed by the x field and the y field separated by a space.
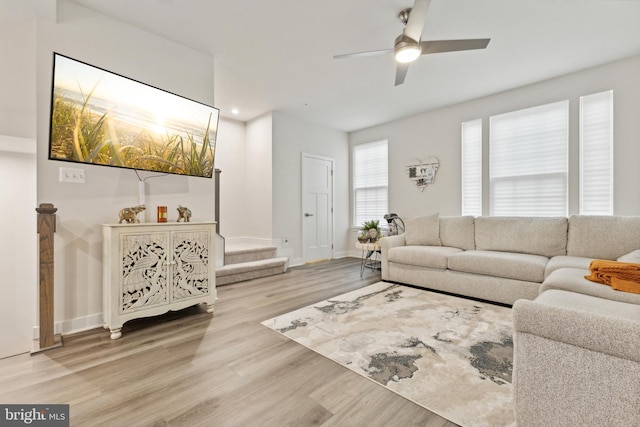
pixel 82 208
pixel 18 71
pixel 18 259
pixel 261 194
pixel 291 138
pixel 230 159
pixel 437 133
pixel 256 197
pixel 18 255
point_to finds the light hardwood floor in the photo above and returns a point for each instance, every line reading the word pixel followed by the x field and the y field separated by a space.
pixel 193 369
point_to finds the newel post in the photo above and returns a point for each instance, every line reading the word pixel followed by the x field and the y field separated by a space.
pixel 46 228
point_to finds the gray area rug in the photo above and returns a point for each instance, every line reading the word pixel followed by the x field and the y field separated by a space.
pixel 450 355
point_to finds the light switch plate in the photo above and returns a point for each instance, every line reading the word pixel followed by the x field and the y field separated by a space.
pixel 73 175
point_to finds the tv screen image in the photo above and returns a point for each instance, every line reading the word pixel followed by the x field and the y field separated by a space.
pixel 103 118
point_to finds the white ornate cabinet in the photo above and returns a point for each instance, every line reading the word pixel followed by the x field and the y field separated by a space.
pixel 149 269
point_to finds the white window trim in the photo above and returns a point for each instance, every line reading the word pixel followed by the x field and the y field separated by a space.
pixel 607 146
pixel 471 167
pixel 525 168
pixel 355 188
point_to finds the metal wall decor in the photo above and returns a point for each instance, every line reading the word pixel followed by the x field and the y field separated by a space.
pixel 423 173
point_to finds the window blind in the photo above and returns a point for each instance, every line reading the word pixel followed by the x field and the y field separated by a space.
pixel 370 182
pixel 472 167
pixel 528 152
pixel 596 154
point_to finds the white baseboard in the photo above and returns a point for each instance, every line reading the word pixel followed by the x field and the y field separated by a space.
pixel 295 262
pixel 355 253
pixel 342 254
pixel 72 326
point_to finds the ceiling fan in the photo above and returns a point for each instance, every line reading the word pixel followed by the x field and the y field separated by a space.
pixel 408 46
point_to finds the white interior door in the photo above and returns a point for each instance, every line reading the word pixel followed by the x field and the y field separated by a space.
pixel 317 207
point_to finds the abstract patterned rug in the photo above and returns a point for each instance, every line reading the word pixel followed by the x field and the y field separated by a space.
pixel 450 355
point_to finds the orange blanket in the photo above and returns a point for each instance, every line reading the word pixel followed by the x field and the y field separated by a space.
pixel 621 276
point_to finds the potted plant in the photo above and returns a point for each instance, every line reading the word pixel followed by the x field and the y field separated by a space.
pixel 370 231
pixel 363 237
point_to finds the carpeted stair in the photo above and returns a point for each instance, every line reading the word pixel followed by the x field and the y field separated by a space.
pixel 246 263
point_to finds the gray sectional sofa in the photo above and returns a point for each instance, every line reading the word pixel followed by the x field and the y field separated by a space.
pixel 576 342
pixel 503 259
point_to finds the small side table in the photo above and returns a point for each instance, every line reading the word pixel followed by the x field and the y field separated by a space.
pixel 370 253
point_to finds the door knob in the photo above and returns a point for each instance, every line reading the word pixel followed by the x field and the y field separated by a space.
pixel 308 214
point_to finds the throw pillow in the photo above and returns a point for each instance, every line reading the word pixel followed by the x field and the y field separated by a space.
pixel 422 231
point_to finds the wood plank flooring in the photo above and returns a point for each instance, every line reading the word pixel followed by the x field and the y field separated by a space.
pixel 192 369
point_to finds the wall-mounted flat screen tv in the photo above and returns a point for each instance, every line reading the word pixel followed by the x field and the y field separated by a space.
pixel 103 118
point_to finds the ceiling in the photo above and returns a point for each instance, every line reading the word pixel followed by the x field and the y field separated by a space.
pixel 278 55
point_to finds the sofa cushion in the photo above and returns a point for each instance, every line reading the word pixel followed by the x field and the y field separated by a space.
pixel 528 235
pixel 458 232
pixel 422 256
pixel 633 257
pixel 603 237
pixel 509 265
pixel 572 279
pixel 564 261
pixel 423 230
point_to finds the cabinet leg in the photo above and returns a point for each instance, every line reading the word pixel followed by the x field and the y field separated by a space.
pixel 209 308
pixel 116 333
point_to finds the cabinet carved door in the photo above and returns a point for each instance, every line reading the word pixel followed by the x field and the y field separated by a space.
pixel 145 272
pixel 190 264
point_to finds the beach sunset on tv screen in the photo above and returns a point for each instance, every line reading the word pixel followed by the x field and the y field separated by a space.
pixel 100 117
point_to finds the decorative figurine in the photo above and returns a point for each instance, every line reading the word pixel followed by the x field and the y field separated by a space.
pixel 129 215
pixel 184 213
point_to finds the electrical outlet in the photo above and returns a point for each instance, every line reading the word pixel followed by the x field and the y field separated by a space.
pixel 285 241
pixel 73 175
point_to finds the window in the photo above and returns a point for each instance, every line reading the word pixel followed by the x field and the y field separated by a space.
pixel 528 161
pixel 472 168
pixel 370 182
pixel 596 154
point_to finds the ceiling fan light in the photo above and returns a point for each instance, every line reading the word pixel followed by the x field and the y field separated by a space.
pixel 407 54
pixel 406 49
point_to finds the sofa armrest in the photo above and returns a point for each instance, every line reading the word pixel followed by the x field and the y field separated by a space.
pixel 585 321
pixel 576 361
pixel 387 243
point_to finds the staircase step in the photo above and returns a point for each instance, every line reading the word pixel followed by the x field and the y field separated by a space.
pixel 241 255
pixel 238 272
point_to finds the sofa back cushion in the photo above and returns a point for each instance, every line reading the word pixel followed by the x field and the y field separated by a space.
pixel 603 237
pixel 423 230
pixel 458 232
pixel 546 236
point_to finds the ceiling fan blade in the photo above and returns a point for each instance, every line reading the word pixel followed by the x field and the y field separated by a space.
pixel 367 53
pixel 401 72
pixel 417 18
pixel 440 46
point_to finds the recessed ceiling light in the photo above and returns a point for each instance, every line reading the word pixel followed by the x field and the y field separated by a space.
pixel 235 111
